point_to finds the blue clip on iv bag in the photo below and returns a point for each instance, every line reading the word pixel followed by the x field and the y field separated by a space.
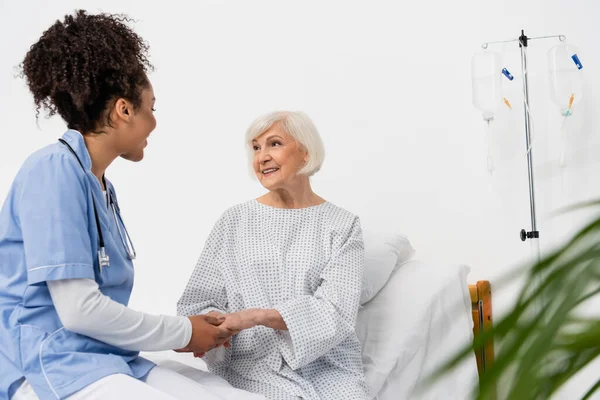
pixel 507 74
pixel 576 61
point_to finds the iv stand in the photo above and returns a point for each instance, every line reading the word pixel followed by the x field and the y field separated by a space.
pixel 533 234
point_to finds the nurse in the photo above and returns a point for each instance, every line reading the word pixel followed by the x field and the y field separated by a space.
pixel 66 270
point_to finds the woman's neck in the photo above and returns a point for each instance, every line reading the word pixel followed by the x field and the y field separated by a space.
pixel 292 197
pixel 102 154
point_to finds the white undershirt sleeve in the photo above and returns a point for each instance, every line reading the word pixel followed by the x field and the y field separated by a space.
pixel 83 309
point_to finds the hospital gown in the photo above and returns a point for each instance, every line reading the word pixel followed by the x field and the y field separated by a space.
pixel 307 264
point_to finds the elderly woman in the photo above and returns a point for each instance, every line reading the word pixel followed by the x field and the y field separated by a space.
pixel 285 269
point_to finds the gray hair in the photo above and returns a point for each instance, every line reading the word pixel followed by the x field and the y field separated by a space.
pixel 296 124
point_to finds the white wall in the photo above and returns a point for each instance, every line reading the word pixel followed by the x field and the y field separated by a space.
pixel 387 83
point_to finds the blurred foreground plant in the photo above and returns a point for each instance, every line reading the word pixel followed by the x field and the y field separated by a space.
pixel 541 348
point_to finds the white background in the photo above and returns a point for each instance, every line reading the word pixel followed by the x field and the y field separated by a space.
pixel 387 83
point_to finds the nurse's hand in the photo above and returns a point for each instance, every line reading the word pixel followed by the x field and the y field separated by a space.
pixel 227 343
pixel 206 334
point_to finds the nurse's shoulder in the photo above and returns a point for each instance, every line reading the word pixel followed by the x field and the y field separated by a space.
pixel 50 168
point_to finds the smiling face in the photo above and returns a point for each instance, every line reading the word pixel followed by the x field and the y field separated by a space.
pixel 277 158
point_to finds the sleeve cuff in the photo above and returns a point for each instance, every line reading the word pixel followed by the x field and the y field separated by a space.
pixel 187 335
pixel 58 272
pixel 287 347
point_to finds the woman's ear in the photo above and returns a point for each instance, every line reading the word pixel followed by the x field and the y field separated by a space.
pixel 306 157
pixel 123 109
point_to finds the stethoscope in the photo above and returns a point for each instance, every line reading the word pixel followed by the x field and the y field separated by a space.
pixel 103 258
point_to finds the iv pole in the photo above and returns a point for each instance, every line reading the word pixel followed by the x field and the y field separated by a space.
pixel 533 234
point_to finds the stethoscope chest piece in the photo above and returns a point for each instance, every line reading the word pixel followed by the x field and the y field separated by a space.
pixel 103 258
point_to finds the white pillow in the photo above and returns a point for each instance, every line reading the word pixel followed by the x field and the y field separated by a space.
pixel 384 253
pixel 421 316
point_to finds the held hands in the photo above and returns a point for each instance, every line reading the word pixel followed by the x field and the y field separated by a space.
pixel 215 329
pixel 234 323
pixel 207 333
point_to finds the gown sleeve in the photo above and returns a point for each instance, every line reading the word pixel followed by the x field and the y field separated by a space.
pixel 319 322
pixel 205 289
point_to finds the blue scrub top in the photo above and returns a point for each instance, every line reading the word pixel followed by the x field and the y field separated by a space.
pixel 48 232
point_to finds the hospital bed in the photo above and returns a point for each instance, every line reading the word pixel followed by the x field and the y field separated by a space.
pixel 422 315
pixel 414 315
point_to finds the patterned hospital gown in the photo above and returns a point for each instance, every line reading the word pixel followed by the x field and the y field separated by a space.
pixel 305 263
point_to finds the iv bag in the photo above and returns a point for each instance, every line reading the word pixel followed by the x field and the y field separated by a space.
pixel 486 76
pixel 566 79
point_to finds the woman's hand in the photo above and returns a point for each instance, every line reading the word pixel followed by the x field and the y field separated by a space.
pixel 216 314
pixel 246 319
pixel 238 321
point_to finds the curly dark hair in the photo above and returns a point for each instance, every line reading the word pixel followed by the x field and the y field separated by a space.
pixel 82 65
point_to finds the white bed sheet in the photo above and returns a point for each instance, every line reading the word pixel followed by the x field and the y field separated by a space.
pixel 421 317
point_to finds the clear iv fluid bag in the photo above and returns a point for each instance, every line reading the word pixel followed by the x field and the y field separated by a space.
pixel 566 78
pixel 486 75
